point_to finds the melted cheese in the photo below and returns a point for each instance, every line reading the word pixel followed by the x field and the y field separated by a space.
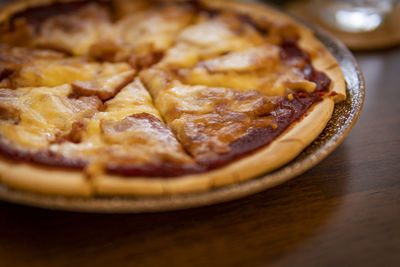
pixel 51 72
pixel 156 27
pixel 207 120
pixel 136 139
pixel 143 138
pixel 262 57
pixel 246 81
pixel 133 99
pixel 254 69
pixel 44 113
pixel 209 38
pixel 224 52
pixel 128 7
pixel 129 131
pixel 103 87
pixel 143 33
pixel 74 33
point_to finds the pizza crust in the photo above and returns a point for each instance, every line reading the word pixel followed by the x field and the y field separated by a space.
pixel 44 179
pixel 49 180
pixel 323 61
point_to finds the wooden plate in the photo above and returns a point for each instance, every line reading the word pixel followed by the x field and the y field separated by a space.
pixel 343 119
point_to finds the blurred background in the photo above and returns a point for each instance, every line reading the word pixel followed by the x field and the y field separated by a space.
pixel 360 24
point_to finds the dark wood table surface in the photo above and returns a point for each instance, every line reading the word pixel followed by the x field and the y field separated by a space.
pixel 343 212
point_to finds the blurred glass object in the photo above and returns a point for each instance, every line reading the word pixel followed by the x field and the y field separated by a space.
pixel 353 15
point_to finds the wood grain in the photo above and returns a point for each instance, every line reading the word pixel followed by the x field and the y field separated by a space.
pixel 345 211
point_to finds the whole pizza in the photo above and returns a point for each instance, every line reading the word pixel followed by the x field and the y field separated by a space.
pixel 138 97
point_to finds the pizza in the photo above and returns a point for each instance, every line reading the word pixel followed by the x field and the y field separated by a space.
pixel 150 98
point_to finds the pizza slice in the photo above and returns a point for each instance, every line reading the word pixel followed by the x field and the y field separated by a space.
pixel 127 136
pixel 222 51
pixel 209 36
pixel 44 125
pixel 218 124
pixel 33 117
pixel 73 33
pixel 22 67
pixel 267 69
pixel 145 35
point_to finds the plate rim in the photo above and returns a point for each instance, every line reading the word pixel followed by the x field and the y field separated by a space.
pixel 132 204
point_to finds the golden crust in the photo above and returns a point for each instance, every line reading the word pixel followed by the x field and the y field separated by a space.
pixel 48 180
pixel 325 62
pixel 44 179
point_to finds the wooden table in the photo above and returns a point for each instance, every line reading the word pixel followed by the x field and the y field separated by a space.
pixel 343 212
